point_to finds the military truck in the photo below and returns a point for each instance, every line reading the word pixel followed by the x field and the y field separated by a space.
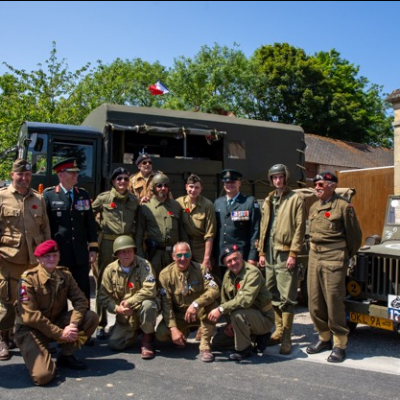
pixel 179 142
pixel 374 281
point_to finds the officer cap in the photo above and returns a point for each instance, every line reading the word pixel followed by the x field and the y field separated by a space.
pixel 21 165
pixel 121 243
pixel 230 175
pixel 227 251
pixel 68 165
pixel 143 156
pixel 49 246
pixel 119 171
pixel 326 176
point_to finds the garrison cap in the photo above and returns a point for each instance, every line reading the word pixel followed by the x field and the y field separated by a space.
pixel 227 251
pixel 326 176
pixel 142 157
pixel 49 246
pixel 68 165
pixel 119 171
pixel 21 165
pixel 229 175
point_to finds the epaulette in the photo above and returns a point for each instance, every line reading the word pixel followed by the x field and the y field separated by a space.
pixel 80 189
pixel 49 188
pixel 28 272
pixel 62 268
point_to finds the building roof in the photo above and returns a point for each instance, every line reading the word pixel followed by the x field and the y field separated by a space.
pixel 323 150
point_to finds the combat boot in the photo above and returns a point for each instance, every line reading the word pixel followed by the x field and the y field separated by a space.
pixel 4 350
pixel 286 345
pixel 147 350
pixel 276 337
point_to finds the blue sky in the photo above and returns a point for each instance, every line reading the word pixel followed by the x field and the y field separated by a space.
pixel 364 32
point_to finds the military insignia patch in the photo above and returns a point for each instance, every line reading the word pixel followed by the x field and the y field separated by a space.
pixel 208 276
pixel 212 284
pixel 23 294
pixel 150 278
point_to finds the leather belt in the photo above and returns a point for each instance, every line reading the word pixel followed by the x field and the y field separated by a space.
pixel 319 248
pixel 111 236
pixel 266 308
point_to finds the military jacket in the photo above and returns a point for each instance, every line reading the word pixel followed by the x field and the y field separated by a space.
pixel 139 186
pixel 117 216
pixel 137 285
pixel 23 225
pixel 245 290
pixel 199 222
pixel 238 224
pixel 335 222
pixel 161 222
pixel 74 227
pixel 201 288
pixel 290 226
pixel 43 299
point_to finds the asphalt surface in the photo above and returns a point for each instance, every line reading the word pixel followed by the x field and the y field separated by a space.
pixel 370 371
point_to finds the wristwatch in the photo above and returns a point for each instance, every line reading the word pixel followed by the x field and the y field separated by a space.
pixel 195 305
pixel 221 309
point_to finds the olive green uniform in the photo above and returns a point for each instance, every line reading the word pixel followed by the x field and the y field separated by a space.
pixel 335 236
pixel 161 224
pixel 282 231
pixel 117 216
pixel 200 287
pixel 199 223
pixel 42 316
pixel 246 302
pixel 138 288
pixel 23 226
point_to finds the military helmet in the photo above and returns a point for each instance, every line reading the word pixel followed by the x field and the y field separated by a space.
pixel 123 242
pixel 159 178
pixel 279 169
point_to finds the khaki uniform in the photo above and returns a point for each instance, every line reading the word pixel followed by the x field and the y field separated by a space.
pixel 138 288
pixel 161 224
pixel 141 186
pixel 282 231
pixel 41 318
pixel 117 216
pixel 23 226
pixel 200 287
pixel 247 305
pixel 335 236
pixel 199 223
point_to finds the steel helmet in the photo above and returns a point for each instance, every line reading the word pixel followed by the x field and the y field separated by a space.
pixel 159 178
pixel 279 169
pixel 123 242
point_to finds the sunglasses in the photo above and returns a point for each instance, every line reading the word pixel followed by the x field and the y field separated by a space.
pixel 161 185
pixel 122 178
pixel 147 162
pixel 180 255
pixel 321 184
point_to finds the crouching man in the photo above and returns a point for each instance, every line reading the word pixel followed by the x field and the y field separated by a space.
pixel 42 316
pixel 128 289
pixel 246 302
pixel 188 294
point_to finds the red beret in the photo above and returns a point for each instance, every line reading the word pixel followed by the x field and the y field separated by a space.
pixel 49 246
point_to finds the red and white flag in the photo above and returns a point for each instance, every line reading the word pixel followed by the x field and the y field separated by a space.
pixel 158 88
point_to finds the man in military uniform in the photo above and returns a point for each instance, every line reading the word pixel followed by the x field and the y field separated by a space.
pixel 335 237
pixel 238 218
pixel 160 222
pixel 117 211
pixel 23 226
pixel 72 223
pixel 246 302
pixel 42 316
pixel 282 231
pixel 140 184
pixel 128 289
pixel 188 294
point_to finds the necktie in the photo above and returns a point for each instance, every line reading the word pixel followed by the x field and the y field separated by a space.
pixel 185 289
pixel 69 193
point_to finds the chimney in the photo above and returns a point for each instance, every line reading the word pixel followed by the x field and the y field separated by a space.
pixel 394 98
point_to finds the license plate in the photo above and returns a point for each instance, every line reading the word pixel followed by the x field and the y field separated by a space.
pixel 376 322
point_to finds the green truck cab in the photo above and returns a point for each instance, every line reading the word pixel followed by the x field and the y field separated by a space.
pixel 179 142
pixel 374 280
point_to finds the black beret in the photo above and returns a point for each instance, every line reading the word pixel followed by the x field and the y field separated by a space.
pixel 228 250
pixel 142 157
pixel 119 171
pixel 228 175
pixel 326 176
